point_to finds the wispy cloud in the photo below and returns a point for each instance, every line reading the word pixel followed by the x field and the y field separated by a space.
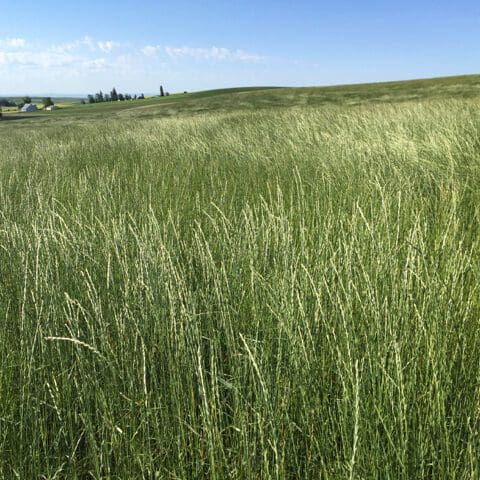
pixel 17 51
pixel 218 54
pixel 13 42
pixel 36 59
pixel 94 65
pixel 81 54
pixel 151 50
pixel 96 60
pixel 212 53
pixel 108 46
pixel 87 43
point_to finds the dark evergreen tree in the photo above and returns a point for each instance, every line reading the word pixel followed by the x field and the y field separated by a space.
pixel 114 95
pixel 91 99
pixel 162 93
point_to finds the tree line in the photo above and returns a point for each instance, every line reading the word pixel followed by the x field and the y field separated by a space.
pixel 98 97
pixel 4 102
pixel 113 96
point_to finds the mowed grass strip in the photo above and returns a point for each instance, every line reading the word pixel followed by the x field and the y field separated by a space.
pixel 280 294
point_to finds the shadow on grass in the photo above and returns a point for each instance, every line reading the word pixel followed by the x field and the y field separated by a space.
pixel 9 118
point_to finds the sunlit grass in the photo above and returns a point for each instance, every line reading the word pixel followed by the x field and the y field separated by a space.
pixel 284 294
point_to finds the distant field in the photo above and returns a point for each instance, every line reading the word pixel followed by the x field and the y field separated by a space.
pixel 257 98
pixel 98 110
pixel 68 100
pixel 62 102
pixel 248 284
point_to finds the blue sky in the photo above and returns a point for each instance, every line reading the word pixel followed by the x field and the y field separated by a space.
pixel 70 47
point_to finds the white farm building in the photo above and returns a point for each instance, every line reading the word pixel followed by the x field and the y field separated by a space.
pixel 29 107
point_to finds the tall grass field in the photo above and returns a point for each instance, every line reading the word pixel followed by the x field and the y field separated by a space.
pixel 261 293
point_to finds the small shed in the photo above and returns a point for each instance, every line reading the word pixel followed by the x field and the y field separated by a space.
pixel 52 107
pixel 29 107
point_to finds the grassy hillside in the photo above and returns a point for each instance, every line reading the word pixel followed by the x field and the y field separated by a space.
pixel 260 98
pixel 75 110
pixel 281 285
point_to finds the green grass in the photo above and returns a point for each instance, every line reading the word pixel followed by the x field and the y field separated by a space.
pixel 99 110
pixel 250 99
pixel 286 291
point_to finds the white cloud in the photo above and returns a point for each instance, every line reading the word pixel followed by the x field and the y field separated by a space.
pixel 88 43
pixel 85 42
pixel 50 59
pixel 219 54
pixel 13 42
pixel 37 59
pixel 78 54
pixel 94 65
pixel 108 46
pixel 96 61
pixel 150 50
pixel 212 53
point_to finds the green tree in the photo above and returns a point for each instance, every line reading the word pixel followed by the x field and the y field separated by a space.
pixel 47 102
pixel 26 99
pixel 162 93
pixel 91 99
pixel 114 95
pixel 4 102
